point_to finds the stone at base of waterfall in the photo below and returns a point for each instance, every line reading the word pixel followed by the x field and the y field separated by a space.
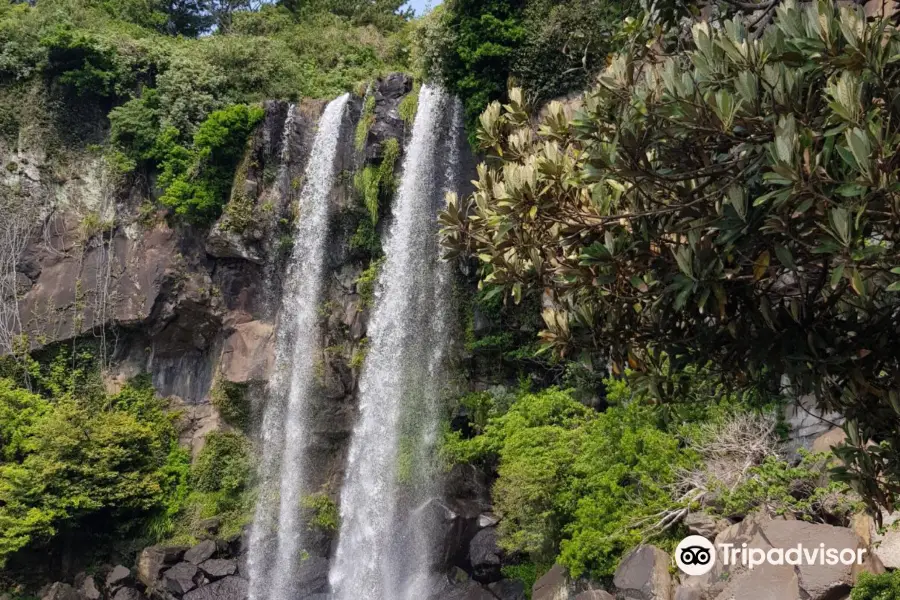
pixel 201 552
pixel 554 585
pixel 181 578
pixel 644 575
pixel 508 589
pixel 153 560
pixel 230 588
pixel 217 568
pixel 485 555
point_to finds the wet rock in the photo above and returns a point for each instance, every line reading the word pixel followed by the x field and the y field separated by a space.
pixel 644 575
pixel 229 588
pixel 154 559
pixel 217 568
pixel 181 578
pixel 118 577
pixel 312 576
pixel 61 591
pixel 554 585
pixel 201 552
pixel 485 555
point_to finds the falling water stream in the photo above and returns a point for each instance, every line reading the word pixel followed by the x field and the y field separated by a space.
pixel 386 544
pixel 277 533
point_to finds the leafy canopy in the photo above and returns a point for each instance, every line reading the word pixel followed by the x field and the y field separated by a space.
pixel 734 204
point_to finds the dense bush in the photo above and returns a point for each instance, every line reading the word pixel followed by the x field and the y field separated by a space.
pixel 197 180
pixel 69 452
pixel 572 481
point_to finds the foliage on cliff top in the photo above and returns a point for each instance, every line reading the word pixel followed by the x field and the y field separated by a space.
pixel 69 451
pixel 551 48
pixel 734 204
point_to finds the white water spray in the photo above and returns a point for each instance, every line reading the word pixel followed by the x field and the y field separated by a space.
pixel 385 546
pixel 276 539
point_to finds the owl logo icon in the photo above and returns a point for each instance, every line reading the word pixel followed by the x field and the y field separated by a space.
pixel 695 555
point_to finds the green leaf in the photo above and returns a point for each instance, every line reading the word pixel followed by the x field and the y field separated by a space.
pixel 894 287
pixel 851 190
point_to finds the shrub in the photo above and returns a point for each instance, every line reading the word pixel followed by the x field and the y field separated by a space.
pixel 232 402
pixel 71 452
pixel 324 512
pixel 223 465
pixel 574 482
pixel 197 181
pixel 877 587
pixel 365 284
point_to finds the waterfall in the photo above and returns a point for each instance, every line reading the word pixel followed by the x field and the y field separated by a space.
pixel 385 548
pixel 276 540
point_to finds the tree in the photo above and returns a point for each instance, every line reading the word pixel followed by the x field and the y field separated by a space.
pixel 734 204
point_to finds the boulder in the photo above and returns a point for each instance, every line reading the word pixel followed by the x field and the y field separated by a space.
pixel 229 588
pixel 201 552
pixel 61 591
pixel 644 575
pixel 119 576
pixel 887 545
pixel 217 568
pixel 485 555
pixel 128 593
pixel 508 589
pixel 554 585
pixel 818 582
pixel 89 589
pixel 181 578
pixel 766 581
pixel 154 559
pixel 702 524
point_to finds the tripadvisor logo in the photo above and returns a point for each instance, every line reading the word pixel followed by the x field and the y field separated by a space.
pixel 696 555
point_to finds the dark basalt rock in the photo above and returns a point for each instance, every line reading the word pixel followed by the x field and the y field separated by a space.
pixel 201 552
pixel 181 578
pixel 485 555
pixel 230 588
pixel 118 577
pixel 217 568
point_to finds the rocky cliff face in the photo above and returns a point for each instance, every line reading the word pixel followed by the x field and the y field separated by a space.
pixel 191 307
